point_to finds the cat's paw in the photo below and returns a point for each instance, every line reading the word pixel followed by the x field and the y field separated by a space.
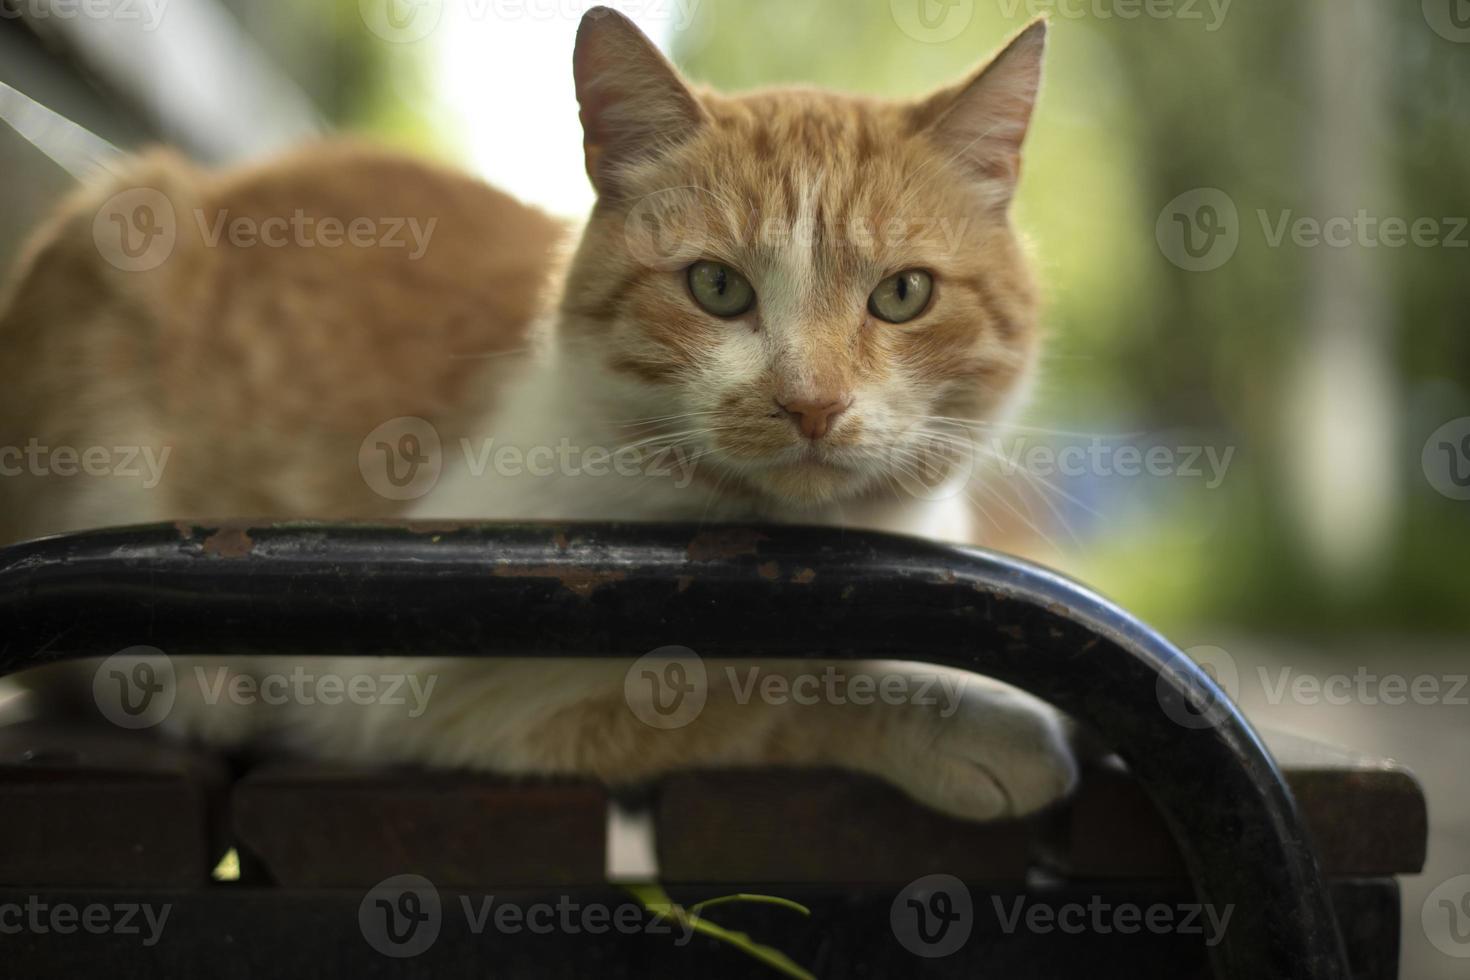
pixel 986 752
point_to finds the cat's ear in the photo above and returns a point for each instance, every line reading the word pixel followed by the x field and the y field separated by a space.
pixel 982 122
pixel 633 101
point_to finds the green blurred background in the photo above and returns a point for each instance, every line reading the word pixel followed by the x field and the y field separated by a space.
pixel 1323 370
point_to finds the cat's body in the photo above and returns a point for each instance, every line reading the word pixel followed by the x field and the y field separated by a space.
pixel 357 382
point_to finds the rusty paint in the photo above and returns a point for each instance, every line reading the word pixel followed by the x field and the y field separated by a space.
pixel 728 542
pixel 770 570
pixel 561 540
pixel 229 542
pixel 683 582
pixel 805 577
pixel 574 578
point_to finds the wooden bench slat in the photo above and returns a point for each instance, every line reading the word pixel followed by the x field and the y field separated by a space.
pixel 319 826
pixel 100 807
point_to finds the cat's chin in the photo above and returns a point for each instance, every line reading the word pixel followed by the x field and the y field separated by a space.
pixel 810 483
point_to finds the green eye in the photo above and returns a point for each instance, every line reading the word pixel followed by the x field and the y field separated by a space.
pixel 720 289
pixel 900 298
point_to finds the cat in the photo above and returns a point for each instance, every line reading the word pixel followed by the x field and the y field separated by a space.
pixel 778 303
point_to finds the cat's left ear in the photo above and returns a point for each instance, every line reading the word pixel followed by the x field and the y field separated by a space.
pixel 983 121
pixel 634 104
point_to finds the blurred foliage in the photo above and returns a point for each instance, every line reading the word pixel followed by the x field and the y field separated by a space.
pixel 1134 113
pixel 357 82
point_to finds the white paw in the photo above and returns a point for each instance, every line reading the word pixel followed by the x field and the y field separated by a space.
pixel 983 752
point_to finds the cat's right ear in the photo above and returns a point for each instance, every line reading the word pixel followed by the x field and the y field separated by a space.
pixel 633 101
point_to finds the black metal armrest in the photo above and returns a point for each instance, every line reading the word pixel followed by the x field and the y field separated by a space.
pixel 773 592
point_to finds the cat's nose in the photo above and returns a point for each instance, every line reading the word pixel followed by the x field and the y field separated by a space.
pixel 814 417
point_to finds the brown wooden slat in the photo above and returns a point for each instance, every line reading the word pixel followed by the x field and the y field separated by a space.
pixel 821 826
pixel 102 807
pixel 317 826
pixel 1367 817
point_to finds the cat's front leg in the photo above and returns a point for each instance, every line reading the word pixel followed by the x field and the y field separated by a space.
pixel 957 742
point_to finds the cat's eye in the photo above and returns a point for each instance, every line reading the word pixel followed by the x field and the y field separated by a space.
pixel 719 289
pixel 900 298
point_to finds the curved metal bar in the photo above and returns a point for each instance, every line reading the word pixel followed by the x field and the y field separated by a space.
pixel 775 592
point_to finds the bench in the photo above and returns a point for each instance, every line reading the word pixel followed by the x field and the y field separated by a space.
pixel 1297 842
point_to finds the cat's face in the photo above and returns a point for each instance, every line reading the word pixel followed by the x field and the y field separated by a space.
pixel 805 290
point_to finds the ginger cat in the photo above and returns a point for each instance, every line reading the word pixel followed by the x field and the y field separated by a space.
pixel 778 304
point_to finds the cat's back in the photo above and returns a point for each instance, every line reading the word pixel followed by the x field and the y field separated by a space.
pixel 254 324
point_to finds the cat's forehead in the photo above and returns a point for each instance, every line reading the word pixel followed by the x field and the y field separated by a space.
pixel 838 185
pixel 763 142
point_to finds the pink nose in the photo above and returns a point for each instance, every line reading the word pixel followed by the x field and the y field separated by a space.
pixel 814 417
